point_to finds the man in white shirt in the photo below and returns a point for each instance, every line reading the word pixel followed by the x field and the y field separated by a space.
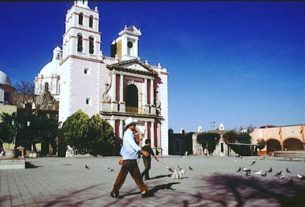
pixel 130 152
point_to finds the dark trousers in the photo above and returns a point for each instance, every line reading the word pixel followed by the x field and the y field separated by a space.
pixel 147 164
pixel 129 166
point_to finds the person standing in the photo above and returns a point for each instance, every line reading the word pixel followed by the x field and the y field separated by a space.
pixel 130 151
pixel 147 160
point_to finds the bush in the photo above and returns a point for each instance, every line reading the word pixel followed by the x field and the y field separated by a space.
pixel 88 135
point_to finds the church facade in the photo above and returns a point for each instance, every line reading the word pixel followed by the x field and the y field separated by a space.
pixel 116 87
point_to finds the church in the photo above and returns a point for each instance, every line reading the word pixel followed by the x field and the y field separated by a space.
pixel 116 86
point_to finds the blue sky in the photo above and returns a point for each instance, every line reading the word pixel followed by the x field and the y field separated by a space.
pixel 237 63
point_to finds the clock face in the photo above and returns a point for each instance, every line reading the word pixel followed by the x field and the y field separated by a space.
pixel 129 44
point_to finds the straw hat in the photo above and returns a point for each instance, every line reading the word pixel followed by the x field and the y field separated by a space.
pixel 130 121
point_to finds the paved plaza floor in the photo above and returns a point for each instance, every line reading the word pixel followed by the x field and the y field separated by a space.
pixel 212 182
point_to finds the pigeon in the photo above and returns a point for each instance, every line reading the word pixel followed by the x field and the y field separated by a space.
pixel 258 172
pixel 270 170
pixel 248 172
pixel 246 169
pixel 190 168
pixel 278 173
pixel 301 177
pixel 252 163
pixel 264 174
pixel 86 166
pixel 282 176
pixel 170 169
pixel 288 171
pixel 239 169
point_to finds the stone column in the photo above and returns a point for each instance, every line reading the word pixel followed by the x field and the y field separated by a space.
pixel 144 90
pixel 159 136
pixel 114 106
pixel 152 135
pixel 122 103
pixel 152 105
pixel 121 128
pixel 112 122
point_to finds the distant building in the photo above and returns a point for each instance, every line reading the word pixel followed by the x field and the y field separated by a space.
pixel 6 95
pixel 6 90
pixel 288 137
pixel 179 143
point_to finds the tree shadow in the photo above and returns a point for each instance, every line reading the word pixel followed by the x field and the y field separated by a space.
pixel 29 165
pixel 239 191
pixel 153 189
pixel 70 199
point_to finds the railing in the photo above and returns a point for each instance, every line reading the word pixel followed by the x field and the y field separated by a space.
pixel 135 110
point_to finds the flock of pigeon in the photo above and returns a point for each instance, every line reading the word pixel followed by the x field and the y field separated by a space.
pixel 177 173
pixel 281 174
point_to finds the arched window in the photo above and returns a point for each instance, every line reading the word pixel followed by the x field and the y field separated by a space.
pixel 80 19
pixel 79 43
pixel 91 21
pixel 91 45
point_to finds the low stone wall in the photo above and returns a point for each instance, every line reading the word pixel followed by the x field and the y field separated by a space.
pixel 12 164
pixel 290 154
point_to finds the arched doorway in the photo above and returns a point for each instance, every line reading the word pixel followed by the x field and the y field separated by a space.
pixel 293 144
pixel 273 145
pixel 131 99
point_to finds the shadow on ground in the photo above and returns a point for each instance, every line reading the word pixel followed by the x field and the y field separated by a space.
pixel 29 165
pixel 216 190
pixel 159 176
pixel 239 191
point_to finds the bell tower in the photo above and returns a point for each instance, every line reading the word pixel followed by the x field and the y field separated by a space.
pixel 81 63
pixel 125 46
pixel 82 36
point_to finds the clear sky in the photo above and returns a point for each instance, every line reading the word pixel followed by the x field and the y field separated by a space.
pixel 237 63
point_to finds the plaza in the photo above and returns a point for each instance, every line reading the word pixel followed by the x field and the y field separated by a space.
pixel 213 181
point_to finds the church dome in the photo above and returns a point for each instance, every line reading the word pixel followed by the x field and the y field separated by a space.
pixel 4 79
pixel 51 69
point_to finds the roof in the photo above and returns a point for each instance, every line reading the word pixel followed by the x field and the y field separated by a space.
pixel 132 30
pixel 4 79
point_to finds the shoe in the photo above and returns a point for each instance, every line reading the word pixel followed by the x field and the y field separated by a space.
pixel 144 194
pixel 114 195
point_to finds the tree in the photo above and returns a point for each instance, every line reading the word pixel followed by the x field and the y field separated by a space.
pixel 75 131
pixel 237 138
pixel 209 140
pixel 101 137
pixel 261 143
pixel 25 87
pixel 7 127
pixel 44 129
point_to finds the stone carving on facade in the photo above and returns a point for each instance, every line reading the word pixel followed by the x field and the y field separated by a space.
pixel 45 101
pixel 105 96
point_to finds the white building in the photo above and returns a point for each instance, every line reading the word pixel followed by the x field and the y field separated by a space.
pixel 6 90
pixel 115 87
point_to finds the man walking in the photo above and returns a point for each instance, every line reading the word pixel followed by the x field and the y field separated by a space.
pixel 130 152
pixel 147 160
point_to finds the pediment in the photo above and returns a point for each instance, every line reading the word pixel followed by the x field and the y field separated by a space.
pixel 133 66
pixel 136 66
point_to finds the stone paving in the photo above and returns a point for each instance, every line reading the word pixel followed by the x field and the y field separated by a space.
pixel 213 182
